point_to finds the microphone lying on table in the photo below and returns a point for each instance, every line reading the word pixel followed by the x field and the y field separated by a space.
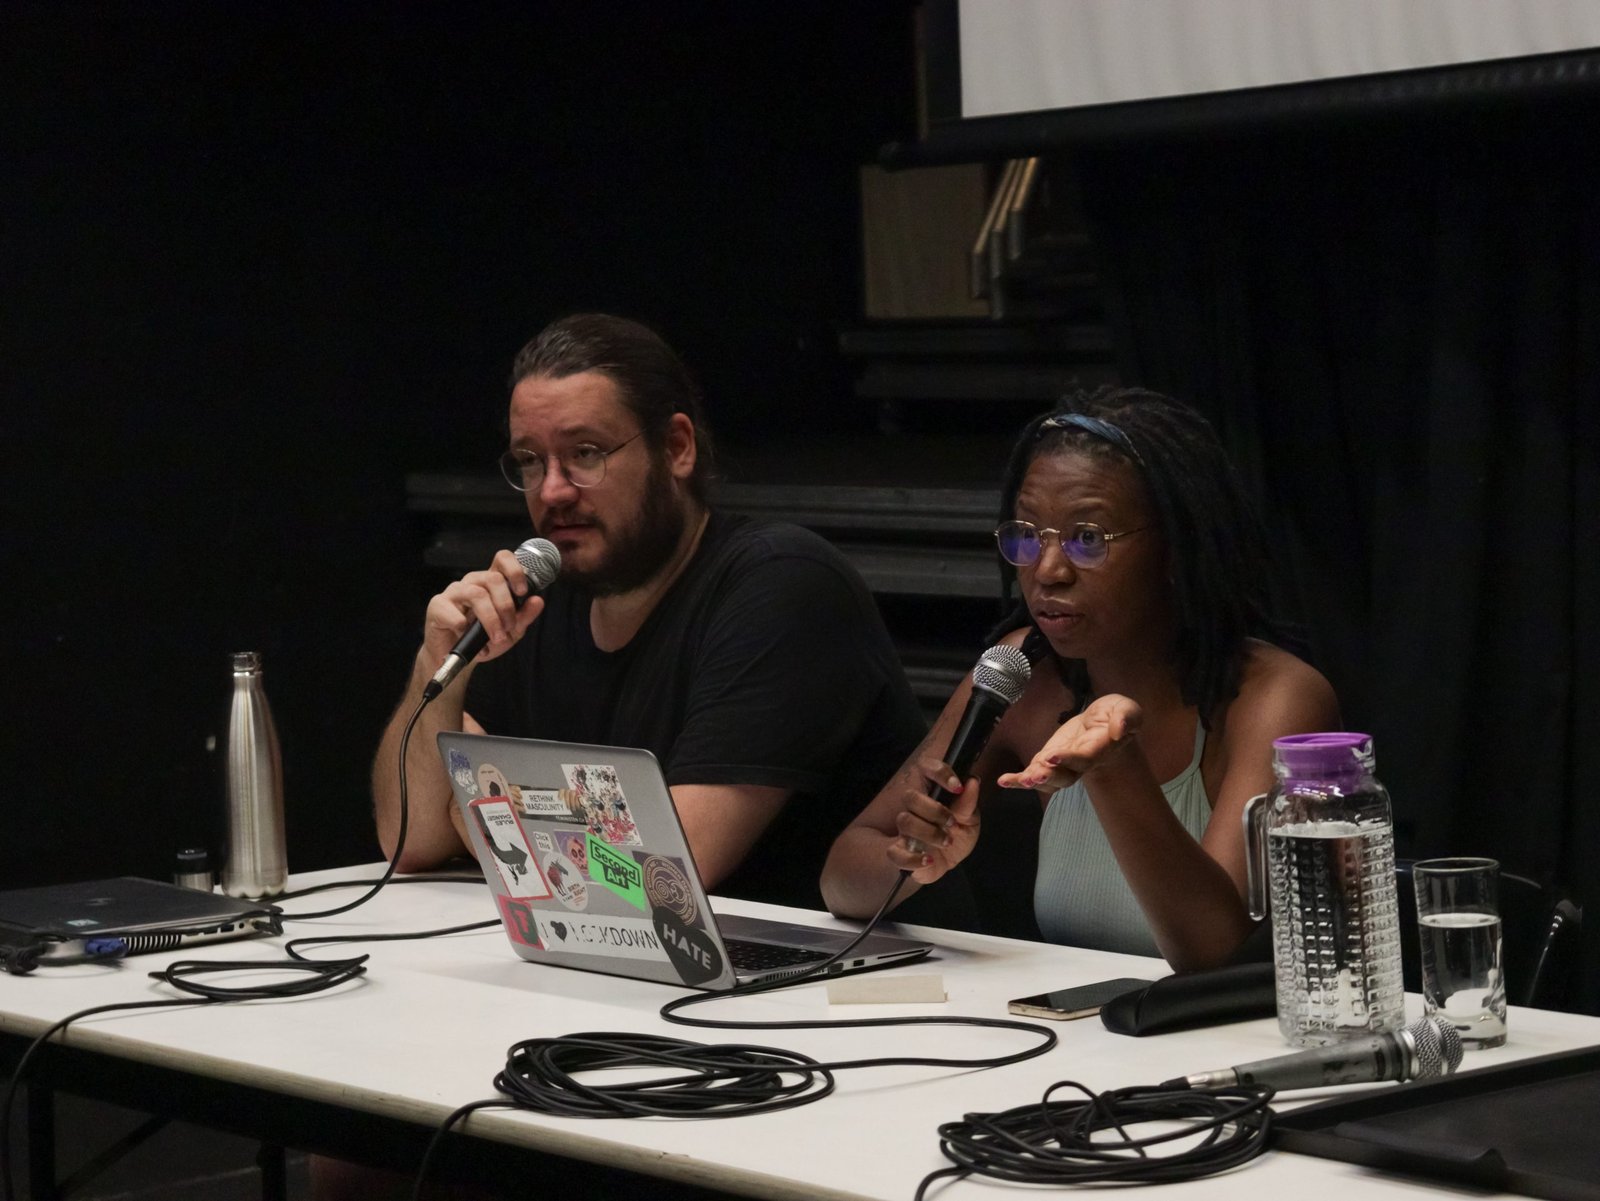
pixel 1428 1047
pixel 1001 674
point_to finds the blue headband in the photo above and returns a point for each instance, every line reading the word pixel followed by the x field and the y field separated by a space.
pixel 1100 428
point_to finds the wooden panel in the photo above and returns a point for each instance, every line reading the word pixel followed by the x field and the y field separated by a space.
pixel 917 229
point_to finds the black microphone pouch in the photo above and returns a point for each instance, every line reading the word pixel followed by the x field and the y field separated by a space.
pixel 1182 1002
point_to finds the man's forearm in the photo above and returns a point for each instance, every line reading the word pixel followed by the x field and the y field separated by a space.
pixel 431 835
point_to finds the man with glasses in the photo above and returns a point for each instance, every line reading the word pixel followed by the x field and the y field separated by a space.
pixel 747 656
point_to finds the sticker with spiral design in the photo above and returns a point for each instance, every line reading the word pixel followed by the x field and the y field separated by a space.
pixel 667 886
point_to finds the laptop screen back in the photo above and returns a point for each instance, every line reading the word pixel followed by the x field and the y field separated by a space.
pixel 583 852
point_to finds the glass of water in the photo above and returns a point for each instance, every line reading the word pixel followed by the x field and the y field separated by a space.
pixel 1458 924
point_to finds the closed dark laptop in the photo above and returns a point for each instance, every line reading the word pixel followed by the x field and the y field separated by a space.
pixel 589 868
pixel 140 915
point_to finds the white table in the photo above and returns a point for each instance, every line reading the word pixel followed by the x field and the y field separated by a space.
pixel 427 1029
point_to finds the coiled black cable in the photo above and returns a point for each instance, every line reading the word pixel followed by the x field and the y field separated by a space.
pixel 1051 1142
pixel 1055 1142
pixel 712 1081
pixel 722 1080
pixel 704 1081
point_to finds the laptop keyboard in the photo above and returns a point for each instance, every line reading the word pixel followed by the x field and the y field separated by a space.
pixel 749 956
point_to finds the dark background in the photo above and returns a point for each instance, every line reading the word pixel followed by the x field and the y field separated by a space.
pixel 1395 321
pixel 260 261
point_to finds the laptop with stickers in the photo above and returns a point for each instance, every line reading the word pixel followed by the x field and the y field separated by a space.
pixel 589 868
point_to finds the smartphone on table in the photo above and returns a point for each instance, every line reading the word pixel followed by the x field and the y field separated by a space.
pixel 1083 1001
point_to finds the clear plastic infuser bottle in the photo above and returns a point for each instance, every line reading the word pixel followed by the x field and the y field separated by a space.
pixel 1322 844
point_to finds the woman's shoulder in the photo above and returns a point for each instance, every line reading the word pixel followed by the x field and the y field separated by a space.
pixel 1280 693
pixel 1268 665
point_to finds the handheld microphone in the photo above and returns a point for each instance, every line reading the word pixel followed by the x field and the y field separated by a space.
pixel 1001 674
pixel 1428 1047
pixel 541 561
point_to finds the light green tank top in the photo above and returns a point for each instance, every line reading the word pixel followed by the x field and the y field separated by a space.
pixel 1080 897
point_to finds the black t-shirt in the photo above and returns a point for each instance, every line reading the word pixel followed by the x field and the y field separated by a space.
pixel 766 663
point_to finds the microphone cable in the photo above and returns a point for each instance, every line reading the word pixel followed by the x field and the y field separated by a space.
pixel 1053 1142
pixel 293 947
pixel 7 1186
pixel 22 957
pixel 1063 1142
pixel 420 878
pixel 720 1080
pixel 400 838
pixel 399 846
pixel 180 975
pixel 186 976
pixel 541 562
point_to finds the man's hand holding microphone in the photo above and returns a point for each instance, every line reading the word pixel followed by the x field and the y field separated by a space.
pixel 486 613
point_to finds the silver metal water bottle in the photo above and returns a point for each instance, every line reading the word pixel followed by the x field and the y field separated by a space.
pixel 255 865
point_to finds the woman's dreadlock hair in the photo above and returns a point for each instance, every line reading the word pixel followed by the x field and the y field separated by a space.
pixel 1216 552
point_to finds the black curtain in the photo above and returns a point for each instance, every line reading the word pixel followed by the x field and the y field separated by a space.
pixel 259 262
pixel 1396 326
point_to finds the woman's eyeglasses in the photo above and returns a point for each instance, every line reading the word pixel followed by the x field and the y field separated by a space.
pixel 1085 544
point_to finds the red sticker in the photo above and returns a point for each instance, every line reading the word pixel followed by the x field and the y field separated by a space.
pixel 518 918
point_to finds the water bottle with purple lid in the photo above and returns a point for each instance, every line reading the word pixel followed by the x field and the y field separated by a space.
pixel 1322 843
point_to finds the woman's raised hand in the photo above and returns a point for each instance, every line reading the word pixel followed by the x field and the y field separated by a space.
pixel 1096 738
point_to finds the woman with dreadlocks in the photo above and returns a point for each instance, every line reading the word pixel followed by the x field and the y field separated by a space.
pixel 1138 572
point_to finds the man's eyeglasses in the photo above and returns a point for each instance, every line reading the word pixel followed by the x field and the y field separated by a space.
pixel 584 465
pixel 1085 544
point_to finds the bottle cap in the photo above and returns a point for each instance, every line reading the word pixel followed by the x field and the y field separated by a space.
pixel 1315 754
pixel 193 869
pixel 246 660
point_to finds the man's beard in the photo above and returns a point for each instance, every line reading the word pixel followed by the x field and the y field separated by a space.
pixel 635 552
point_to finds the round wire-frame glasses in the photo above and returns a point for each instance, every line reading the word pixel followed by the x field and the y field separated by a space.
pixel 1085 544
pixel 584 465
